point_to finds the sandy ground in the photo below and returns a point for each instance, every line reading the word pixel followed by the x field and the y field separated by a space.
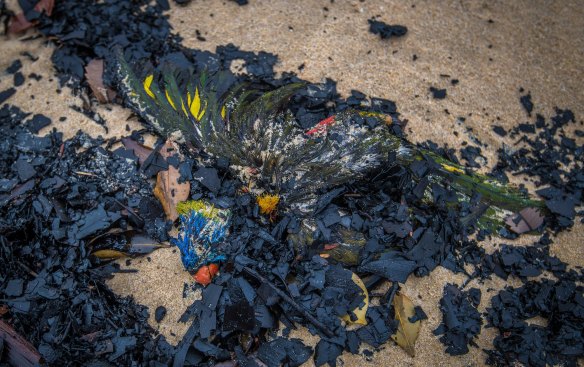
pixel 492 47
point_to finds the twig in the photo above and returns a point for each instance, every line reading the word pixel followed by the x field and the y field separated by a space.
pixel 291 302
pixel 391 293
pixel 29 270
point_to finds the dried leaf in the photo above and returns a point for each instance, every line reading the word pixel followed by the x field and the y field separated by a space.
pixel 168 190
pixel 94 75
pixel 19 23
pixel 407 332
pixel 139 150
pixel 527 220
pixel 361 311
pixel 109 254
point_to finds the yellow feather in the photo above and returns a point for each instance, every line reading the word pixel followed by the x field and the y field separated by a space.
pixel 182 104
pixel 170 100
pixel 223 112
pixel 267 203
pixel 147 84
pixel 196 105
pixel 202 112
pixel 450 168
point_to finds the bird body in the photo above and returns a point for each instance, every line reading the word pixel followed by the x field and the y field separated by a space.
pixel 282 164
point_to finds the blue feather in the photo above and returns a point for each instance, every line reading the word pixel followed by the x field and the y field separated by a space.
pixel 198 235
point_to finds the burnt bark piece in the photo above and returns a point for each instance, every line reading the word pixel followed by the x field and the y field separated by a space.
pixel 19 352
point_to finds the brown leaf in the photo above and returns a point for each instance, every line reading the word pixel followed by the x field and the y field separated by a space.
pixel 94 75
pixel 139 150
pixel 526 220
pixel 168 190
pixel 407 332
pixel 19 23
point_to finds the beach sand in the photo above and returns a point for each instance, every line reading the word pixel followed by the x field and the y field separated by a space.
pixel 492 47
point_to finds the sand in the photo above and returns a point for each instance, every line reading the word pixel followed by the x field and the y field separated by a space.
pixel 537 45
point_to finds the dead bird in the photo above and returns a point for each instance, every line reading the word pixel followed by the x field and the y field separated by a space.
pixel 287 167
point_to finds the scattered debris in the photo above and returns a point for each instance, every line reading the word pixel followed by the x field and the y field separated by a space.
pixel 557 342
pixel 70 202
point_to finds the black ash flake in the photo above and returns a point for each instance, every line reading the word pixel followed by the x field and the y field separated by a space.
pixel 461 321
pixel 14 67
pixel 159 313
pixel 499 130
pixel 18 79
pixel 471 154
pixel 438 93
pixel 557 342
pixel 37 122
pixel 6 94
pixel 386 31
pixel 527 103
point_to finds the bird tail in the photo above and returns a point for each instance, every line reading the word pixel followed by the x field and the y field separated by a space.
pixel 491 203
pixel 488 202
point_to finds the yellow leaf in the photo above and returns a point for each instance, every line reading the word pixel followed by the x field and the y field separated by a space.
pixel 147 84
pixel 223 112
pixel 407 332
pixel 361 311
pixel 108 254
